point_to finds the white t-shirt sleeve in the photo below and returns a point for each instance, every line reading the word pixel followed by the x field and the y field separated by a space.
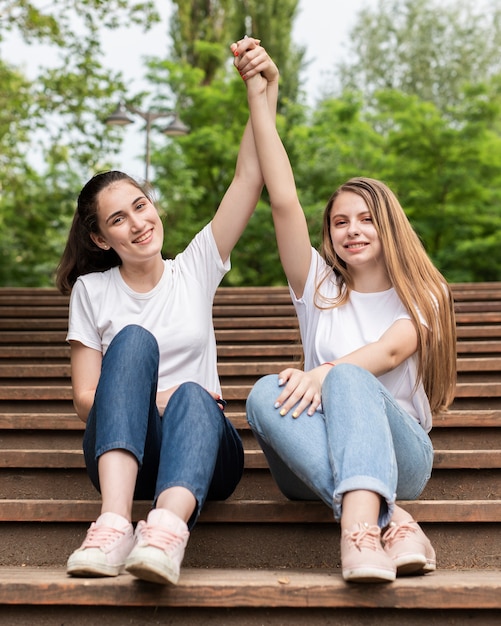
pixel 81 323
pixel 202 260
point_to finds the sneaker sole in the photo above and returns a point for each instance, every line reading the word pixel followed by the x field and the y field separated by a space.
pixel 414 564
pixel 369 575
pixel 87 571
pixel 147 571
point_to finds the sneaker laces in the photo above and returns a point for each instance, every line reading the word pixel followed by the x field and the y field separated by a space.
pixel 366 537
pixel 159 537
pixel 101 536
pixel 396 532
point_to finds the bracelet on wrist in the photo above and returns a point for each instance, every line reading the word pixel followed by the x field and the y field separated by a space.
pixel 329 363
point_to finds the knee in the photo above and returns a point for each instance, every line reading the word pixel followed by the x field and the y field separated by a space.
pixel 347 376
pixel 135 341
pixel 196 403
pixel 136 335
pixel 261 398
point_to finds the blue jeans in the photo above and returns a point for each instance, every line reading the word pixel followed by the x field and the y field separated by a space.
pixel 361 440
pixel 192 445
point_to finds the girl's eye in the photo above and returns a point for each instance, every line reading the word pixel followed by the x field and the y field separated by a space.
pixel 117 220
pixel 140 206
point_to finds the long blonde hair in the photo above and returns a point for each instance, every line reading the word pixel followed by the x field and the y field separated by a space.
pixel 419 285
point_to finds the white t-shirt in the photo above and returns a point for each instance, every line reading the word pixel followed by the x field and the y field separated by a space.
pixel 332 333
pixel 178 312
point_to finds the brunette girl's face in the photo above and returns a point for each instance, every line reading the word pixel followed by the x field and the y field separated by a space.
pixel 353 234
pixel 128 222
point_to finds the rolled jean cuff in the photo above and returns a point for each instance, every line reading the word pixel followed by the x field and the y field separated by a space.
pixel 120 445
pixel 367 483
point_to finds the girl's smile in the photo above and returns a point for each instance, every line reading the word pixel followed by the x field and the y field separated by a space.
pixel 354 237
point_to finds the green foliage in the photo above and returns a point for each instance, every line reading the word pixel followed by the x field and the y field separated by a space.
pixel 428 48
pixel 420 108
pixel 51 129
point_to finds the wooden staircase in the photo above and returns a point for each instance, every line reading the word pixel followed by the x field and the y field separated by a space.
pixel 256 558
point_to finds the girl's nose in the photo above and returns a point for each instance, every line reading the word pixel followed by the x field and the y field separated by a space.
pixel 135 223
pixel 353 229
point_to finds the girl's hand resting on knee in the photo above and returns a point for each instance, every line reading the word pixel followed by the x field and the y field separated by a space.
pixel 303 389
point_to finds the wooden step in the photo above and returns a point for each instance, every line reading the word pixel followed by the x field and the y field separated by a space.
pixel 253 588
pixel 251 511
pixel 255 369
pixel 257 527
pixel 69 421
pixel 254 459
pixel 62 391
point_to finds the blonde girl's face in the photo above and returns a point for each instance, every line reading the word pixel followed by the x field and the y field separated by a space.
pixel 353 234
pixel 128 222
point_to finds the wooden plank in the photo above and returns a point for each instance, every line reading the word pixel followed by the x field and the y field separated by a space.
pixel 478 390
pixel 230 391
pixel 35 352
pixel 234 369
pixel 40 421
pixel 477 347
pixel 250 511
pixel 63 370
pixel 443 589
pixel 485 310
pixel 254 459
pixel 467 459
pixel 479 364
pixel 37 392
pixel 480 418
pixel 468 419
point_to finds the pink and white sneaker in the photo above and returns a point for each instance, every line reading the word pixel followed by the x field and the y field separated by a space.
pixel 106 546
pixel 363 559
pixel 159 549
pixel 409 548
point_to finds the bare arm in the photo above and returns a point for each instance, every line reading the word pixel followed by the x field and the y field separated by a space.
pixel 85 372
pixel 242 196
pixel 398 343
pixel 290 223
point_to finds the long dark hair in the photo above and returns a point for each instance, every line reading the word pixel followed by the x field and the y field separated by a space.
pixel 81 255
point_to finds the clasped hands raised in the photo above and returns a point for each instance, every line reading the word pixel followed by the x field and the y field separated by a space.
pixel 253 63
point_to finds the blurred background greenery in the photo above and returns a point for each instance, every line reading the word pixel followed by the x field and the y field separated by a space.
pixel 416 102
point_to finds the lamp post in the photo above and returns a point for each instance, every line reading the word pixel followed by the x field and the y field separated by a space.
pixel 175 128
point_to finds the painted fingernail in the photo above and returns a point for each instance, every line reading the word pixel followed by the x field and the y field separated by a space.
pixel 283 412
pixel 280 382
pixel 276 405
pixel 294 415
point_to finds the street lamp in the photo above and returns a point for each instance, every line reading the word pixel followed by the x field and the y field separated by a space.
pixel 175 128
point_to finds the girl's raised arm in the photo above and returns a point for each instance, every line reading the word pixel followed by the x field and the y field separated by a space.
pixel 290 223
pixel 242 195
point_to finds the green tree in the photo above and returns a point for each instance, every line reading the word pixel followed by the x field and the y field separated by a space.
pixel 446 170
pixel 56 118
pixel 427 48
pixel 193 172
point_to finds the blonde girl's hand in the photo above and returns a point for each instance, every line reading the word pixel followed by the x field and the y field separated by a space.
pixel 251 59
pixel 303 389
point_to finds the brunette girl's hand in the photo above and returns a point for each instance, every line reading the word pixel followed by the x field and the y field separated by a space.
pixel 300 387
pixel 251 59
